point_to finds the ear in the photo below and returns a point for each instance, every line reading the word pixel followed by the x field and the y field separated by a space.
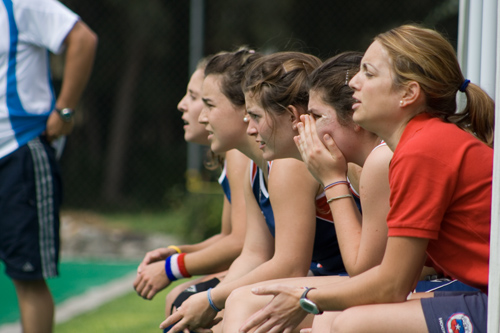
pixel 411 93
pixel 294 113
pixel 294 116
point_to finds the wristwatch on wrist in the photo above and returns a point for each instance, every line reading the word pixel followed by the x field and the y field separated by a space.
pixel 308 305
pixel 66 114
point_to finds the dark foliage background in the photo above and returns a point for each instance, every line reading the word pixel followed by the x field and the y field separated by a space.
pixel 127 151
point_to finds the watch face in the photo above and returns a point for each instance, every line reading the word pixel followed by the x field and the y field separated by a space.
pixel 308 306
pixel 66 114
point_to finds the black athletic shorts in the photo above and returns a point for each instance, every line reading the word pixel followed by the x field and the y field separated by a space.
pixel 30 196
pixel 194 289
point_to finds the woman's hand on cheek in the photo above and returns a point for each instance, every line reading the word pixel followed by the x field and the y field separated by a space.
pixel 326 164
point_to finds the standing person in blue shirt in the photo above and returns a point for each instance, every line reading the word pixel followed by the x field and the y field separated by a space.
pixel 30 119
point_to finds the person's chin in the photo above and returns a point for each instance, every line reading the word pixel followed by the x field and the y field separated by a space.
pixel 217 149
pixel 268 155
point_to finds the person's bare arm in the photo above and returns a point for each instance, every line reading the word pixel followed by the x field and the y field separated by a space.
pixel 81 45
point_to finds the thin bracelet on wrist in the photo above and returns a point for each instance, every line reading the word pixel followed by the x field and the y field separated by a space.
pixel 211 302
pixel 341 182
pixel 174 247
pixel 339 197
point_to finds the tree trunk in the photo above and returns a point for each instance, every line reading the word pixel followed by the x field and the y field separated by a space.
pixel 121 131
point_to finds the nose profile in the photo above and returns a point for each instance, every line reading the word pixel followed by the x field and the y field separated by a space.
pixel 182 105
pixel 203 118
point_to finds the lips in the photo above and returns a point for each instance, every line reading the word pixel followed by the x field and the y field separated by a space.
pixel 356 103
pixel 210 132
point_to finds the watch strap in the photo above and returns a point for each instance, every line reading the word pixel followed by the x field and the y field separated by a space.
pixel 308 289
pixel 66 113
pixel 304 299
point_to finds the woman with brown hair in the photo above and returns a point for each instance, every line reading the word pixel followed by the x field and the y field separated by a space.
pixel 440 181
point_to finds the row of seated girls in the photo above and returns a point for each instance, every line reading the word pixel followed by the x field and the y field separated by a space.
pixel 355 179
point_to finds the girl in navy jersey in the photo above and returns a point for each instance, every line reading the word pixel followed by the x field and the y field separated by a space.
pixel 214 255
pixel 280 242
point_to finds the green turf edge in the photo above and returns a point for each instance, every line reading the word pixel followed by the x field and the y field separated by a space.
pixel 129 313
pixel 75 278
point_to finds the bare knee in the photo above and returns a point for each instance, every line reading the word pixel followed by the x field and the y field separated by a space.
pixel 31 288
pixel 240 305
pixel 347 321
pixel 323 323
pixel 240 294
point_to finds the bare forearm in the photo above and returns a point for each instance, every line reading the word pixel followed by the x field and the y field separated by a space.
pixel 347 222
pixel 269 270
pixel 191 248
pixel 80 53
pixel 216 257
pixel 371 287
pixel 389 282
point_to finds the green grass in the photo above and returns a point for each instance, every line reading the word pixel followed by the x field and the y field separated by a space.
pixel 75 278
pixel 127 314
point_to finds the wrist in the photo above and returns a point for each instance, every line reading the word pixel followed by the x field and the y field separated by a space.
pixel 175 248
pixel 211 301
pixel 307 304
pixel 175 267
pixel 336 183
pixel 65 113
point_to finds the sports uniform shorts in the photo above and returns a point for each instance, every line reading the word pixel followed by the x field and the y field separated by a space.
pixel 30 196
pixel 194 289
pixel 450 312
pixel 190 291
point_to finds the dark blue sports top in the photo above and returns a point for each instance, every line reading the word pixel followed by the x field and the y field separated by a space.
pixel 326 259
pixel 260 192
pixel 224 182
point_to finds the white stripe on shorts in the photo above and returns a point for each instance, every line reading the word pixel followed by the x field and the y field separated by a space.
pixel 45 206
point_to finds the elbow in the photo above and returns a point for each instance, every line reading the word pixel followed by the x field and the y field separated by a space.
pixel 296 270
pixel 394 293
pixel 83 36
pixel 234 245
pixel 91 41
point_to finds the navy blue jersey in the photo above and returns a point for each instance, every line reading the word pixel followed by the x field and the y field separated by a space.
pixel 224 182
pixel 259 189
pixel 326 258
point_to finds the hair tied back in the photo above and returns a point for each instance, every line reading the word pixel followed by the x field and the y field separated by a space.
pixel 464 85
